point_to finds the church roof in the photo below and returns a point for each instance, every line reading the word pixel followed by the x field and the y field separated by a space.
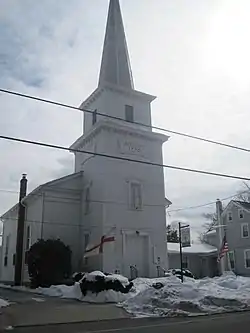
pixel 115 65
pixel 244 204
pixel 42 187
pixel 198 248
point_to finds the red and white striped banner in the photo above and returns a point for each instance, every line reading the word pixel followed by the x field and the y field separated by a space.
pixel 223 250
pixel 93 250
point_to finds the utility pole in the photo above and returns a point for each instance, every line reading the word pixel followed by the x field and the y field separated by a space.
pixel 20 232
pixel 183 243
pixel 220 226
pixel 180 240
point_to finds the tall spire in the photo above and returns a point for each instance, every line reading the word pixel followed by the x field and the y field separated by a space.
pixel 115 66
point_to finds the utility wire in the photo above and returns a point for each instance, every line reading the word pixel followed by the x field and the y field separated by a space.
pixel 46 197
pixel 75 200
pixel 55 223
pixel 206 204
pixel 120 119
pixel 48 145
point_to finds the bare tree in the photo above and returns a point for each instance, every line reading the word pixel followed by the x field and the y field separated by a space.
pixel 244 196
pixel 172 234
pixel 209 225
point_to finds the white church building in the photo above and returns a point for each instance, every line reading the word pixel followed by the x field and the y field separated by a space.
pixel 104 196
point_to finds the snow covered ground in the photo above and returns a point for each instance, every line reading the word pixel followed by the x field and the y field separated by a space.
pixel 192 298
pixel 3 303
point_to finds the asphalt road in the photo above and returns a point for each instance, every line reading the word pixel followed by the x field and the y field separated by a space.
pixel 226 323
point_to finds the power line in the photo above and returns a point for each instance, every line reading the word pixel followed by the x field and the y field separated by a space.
pixel 48 196
pixel 55 223
pixel 48 145
pixel 195 137
pixel 206 204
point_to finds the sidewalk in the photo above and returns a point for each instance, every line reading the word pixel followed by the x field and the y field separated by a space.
pixel 37 310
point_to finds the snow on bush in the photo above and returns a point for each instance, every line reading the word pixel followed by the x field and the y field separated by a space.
pixel 193 297
pixel 185 272
pixel 94 287
pixel 97 282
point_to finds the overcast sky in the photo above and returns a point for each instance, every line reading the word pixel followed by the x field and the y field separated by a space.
pixel 192 54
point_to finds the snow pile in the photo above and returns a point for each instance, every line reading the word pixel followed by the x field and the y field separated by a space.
pixel 94 287
pixel 97 282
pixel 165 296
pixel 193 297
pixel 3 303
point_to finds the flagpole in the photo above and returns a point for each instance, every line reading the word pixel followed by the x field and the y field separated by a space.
pixel 228 262
pixel 218 213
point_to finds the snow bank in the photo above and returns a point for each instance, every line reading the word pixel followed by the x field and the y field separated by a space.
pixel 193 297
pixel 3 303
pixel 76 291
pixel 166 296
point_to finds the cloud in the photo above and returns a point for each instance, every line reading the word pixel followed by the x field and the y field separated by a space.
pixel 190 56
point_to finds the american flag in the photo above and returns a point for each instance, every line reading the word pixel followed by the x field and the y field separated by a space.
pixel 223 249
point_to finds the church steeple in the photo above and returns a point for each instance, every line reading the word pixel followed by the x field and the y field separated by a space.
pixel 115 65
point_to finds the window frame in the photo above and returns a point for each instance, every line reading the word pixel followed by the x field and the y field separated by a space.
pixel 27 243
pixel 28 238
pixel 233 255
pixel 229 214
pixel 239 213
pixel 242 230
pixel 129 113
pixel 87 201
pixel 94 117
pixel 245 257
pixel 132 202
pixel 86 240
pixel 6 251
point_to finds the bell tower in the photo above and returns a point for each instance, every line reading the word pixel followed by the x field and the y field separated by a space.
pixel 124 198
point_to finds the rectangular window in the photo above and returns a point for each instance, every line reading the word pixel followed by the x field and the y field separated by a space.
pixel 185 262
pixel 241 213
pixel 86 243
pixel 6 253
pixel 229 216
pixel 94 117
pixel 244 230
pixel 231 259
pixel 28 243
pixel 129 113
pixel 14 259
pixel 86 240
pixel 135 196
pixel 247 258
pixel 87 201
pixel 28 238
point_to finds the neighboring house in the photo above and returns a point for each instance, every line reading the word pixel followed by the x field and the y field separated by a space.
pixel 200 259
pixel 236 221
pixel 211 237
pixel 105 196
